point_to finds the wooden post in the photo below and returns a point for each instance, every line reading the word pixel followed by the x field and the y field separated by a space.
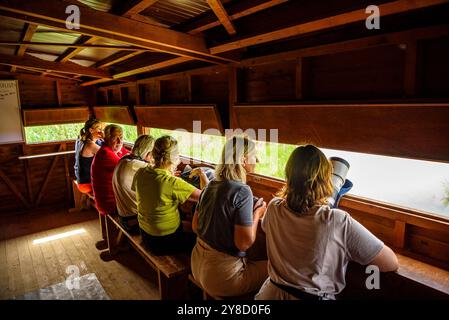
pixel 58 93
pixel 173 288
pixel 410 79
pixel 189 88
pixel 233 95
pixel 399 234
pixel 28 177
pixel 67 174
pixel 298 82
pixel 138 99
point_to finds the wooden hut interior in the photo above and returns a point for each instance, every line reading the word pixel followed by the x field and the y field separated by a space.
pixel 366 78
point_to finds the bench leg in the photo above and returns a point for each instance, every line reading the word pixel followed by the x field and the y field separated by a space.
pixel 174 288
pixel 102 220
pixel 112 234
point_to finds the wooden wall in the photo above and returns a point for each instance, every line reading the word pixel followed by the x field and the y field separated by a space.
pixel 27 184
pixel 44 92
pixel 32 183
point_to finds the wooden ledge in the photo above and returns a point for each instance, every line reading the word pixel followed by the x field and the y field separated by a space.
pixel 423 273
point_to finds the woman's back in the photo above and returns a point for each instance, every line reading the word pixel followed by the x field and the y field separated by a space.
pixel 222 205
pixel 311 251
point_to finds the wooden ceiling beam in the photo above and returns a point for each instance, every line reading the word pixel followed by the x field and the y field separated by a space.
pixel 81 46
pixel 389 8
pixel 92 82
pixel 68 67
pixel 222 15
pixel 101 24
pixel 35 76
pixel 135 7
pixel 116 58
pixel 28 31
pixel 151 67
pixel 399 37
pixel 73 51
pixel 236 11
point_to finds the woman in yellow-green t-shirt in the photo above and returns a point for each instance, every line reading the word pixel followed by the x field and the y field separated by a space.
pixel 159 193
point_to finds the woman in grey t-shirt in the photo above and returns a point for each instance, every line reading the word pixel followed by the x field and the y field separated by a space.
pixel 309 244
pixel 226 224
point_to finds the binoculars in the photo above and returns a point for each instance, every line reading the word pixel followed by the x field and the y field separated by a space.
pixel 340 183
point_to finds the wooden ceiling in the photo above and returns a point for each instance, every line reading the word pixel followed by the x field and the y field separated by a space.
pixel 119 40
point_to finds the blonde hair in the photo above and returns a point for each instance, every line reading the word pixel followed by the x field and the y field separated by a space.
pixel 143 146
pixel 165 151
pixel 308 179
pixel 230 166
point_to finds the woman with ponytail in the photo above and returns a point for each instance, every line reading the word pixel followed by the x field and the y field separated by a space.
pixel 159 193
pixel 309 244
pixel 86 146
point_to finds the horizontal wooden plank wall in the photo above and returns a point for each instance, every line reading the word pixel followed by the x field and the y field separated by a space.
pixel 419 131
pixel 43 92
pixel 115 114
pixel 38 182
pixel 48 116
pixel 173 117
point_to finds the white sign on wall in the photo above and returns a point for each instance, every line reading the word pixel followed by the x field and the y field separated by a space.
pixel 11 129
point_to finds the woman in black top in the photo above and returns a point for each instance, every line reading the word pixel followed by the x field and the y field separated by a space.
pixel 86 146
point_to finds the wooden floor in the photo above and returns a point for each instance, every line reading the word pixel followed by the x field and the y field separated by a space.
pixel 26 267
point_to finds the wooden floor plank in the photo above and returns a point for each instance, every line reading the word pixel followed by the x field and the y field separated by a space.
pixel 4 280
pixel 15 283
pixel 133 283
pixel 43 275
pixel 26 265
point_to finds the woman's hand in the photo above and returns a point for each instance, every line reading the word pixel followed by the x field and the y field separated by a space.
pixel 259 208
pixel 204 180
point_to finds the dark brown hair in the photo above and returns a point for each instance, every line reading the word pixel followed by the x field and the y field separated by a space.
pixel 308 179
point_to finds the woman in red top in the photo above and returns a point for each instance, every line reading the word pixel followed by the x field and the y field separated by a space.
pixel 103 167
pixel 102 170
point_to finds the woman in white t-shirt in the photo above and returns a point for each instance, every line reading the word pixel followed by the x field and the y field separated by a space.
pixel 309 244
pixel 122 179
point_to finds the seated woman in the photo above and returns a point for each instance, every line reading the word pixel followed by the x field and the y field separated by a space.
pixel 122 179
pixel 309 244
pixel 86 146
pixel 159 193
pixel 102 170
pixel 226 224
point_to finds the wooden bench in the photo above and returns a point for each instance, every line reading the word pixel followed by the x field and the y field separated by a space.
pixel 172 270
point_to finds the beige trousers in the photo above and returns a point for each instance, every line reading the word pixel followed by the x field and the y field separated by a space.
pixel 223 275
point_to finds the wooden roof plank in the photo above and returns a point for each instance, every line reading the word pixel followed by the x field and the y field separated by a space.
pixel 95 23
pixel 239 10
pixel 222 15
pixel 137 7
pixel 70 68
pixel 28 32
pixel 72 52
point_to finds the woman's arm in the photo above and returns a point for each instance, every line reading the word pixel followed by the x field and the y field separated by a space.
pixel 195 196
pixel 195 222
pixel 244 236
pixel 386 260
pixel 90 149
